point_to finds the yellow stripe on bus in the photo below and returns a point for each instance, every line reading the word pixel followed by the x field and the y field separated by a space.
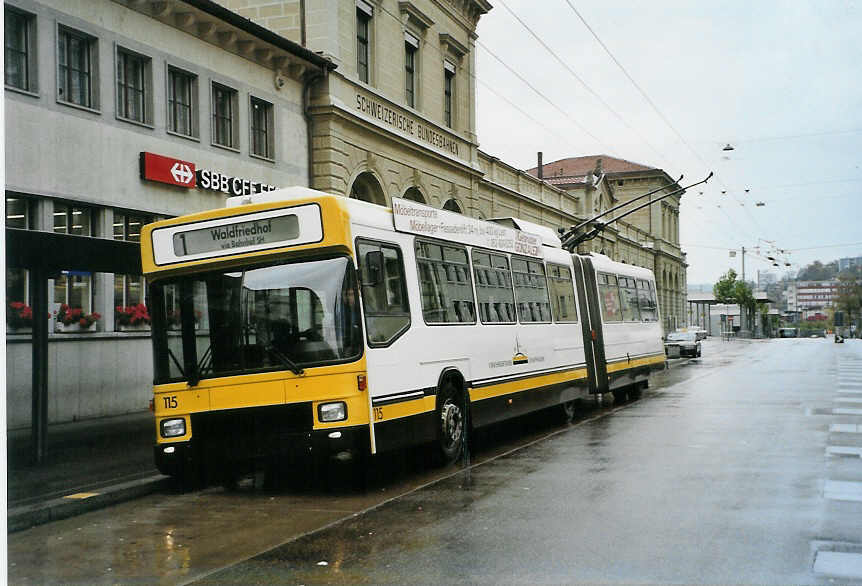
pixel 541 380
pixel 625 364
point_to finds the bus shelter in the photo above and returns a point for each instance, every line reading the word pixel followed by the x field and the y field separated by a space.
pixel 44 255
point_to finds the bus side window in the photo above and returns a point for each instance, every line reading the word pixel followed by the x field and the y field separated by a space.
pixel 444 283
pixel 562 293
pixel 610 297
pixel 531 291
pixel 493 293
pixel 646 301
pixel 384 292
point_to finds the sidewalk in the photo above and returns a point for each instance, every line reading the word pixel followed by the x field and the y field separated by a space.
pixel 88 465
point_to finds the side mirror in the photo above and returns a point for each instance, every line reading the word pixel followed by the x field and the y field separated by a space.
pixel 374 267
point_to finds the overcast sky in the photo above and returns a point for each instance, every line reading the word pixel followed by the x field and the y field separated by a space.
pixel 780 81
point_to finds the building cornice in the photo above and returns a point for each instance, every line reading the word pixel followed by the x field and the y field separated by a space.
pixel 215 24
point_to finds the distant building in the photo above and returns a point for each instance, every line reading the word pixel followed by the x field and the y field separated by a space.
pixel 850 262
pixel 810 298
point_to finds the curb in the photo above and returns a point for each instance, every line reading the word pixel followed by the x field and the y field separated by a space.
pixel 27 516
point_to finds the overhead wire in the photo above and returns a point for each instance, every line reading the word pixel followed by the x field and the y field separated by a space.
pixel 583 83
pixel 656 109
pixel 540 94
pixel 473 75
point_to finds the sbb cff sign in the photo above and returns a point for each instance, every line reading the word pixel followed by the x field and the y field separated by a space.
pixel 185 174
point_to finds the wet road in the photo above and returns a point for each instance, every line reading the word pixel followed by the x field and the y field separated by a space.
pixel 740 467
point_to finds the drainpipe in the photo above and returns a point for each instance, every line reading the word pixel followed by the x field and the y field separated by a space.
pixel 309 121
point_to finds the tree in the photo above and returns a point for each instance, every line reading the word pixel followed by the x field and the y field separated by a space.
pixel 817 271
pixel 729 290
pixel 849 296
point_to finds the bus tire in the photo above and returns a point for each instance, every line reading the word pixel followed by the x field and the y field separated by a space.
pixel 451 422
pixel 620 396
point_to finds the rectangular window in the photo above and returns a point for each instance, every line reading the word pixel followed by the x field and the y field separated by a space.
pixel 410 71
pixel 74 288
pixel 646 300
pixel 531 290
pixel 19 314
pixel 493 288
pixel 133 93
pixel 262 134
pixel 73 220
pixel 20 44
pixel 384 292
pixel 77 68
pixel 610 296
pixel 182 102
pixel 562 293
pixel 444 283
pixel 19 213
pixel 363 20
pixel 629 299
pixel 448 91
pixel 224 105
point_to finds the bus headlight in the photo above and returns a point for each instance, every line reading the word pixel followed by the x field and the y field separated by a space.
pixel 328 412
pixel 173 427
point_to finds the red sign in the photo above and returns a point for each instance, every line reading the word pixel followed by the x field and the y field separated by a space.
pixel 167 170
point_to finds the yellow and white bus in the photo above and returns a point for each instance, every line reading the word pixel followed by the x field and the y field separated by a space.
pixel 295 321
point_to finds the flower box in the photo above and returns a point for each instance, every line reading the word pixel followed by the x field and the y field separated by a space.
pixel 134 318
pixel 74 319
pixel 75 328
pixel 135 328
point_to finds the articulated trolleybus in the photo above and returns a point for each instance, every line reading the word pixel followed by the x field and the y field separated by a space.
pixel 295 321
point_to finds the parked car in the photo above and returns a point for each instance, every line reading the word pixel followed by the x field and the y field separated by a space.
pixel 682 344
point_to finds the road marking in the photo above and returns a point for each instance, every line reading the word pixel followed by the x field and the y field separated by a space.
pixel 840 490
pixel 838 563
pixel 845 428
pixel 849 391
pixel 81 495
pixel 844 451
pixel 846 411
pixel 847 400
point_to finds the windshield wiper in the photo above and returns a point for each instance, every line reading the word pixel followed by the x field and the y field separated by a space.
pixel 206 362
pixel 285 360
pixel 176 362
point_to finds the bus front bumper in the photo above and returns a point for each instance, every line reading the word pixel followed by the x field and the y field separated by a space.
pixel 344 444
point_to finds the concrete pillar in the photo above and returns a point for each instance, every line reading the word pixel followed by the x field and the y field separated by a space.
pixel 103 283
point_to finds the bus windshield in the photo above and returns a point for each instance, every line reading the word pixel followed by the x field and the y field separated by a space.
pixel 274 317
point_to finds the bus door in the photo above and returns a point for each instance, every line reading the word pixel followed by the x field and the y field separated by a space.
pixel 591 324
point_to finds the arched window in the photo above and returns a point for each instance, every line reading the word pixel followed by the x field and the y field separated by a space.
pixel 452 206
pixel 367 188
pixel 413 194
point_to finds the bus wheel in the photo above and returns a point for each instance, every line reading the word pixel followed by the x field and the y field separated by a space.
pixel 620 396
pixel 451 422
pixel 567 411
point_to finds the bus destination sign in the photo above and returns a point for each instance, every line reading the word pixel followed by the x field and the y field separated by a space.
pixel 234 235
pixel 423 220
